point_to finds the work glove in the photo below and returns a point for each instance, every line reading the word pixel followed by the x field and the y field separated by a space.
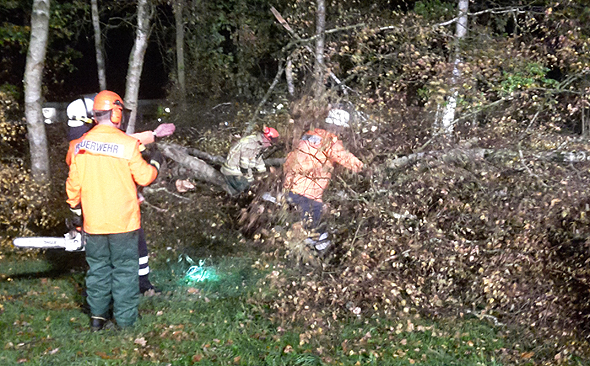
pixel 76 221
pixel 165 129
pixel 146 152
pixel 156 159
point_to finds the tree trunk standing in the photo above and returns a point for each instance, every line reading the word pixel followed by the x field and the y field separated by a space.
pixel 178 7
pixel 33 90
pixel 100 64
pixel 448 117
pixel 318 70
pixel 144 14
pixel 289 76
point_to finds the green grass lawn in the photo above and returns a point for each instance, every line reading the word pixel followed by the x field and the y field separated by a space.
pixel 214 322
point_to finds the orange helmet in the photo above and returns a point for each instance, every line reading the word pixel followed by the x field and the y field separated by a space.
pixel 109 101
pixel 270 133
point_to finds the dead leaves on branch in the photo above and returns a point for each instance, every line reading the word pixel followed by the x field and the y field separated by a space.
pixel 24 204
pixel 484 236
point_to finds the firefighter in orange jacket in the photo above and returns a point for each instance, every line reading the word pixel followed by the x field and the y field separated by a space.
pixel 101 185
pixel 308 169
pixel 80 121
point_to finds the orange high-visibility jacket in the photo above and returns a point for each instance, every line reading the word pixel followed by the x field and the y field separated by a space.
pixel 105 168
pixel 146 137
pixel 308 168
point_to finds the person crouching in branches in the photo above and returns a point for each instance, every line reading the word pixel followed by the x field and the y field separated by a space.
pixel 245 156
pixel 80 121
pixel 308 169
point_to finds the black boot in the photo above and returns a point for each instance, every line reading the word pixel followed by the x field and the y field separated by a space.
pixel 152 291
pixel 144 284
pixel 146 288
pixel 97 323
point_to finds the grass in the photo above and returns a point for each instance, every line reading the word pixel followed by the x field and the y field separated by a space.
pixel 209 323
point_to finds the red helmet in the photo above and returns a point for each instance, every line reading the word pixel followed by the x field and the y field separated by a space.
pixel 109 101
pixel 270 133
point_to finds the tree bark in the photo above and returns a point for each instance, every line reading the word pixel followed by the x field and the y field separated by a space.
pixel 178 7
pixel 144 14
pixel 196 161
pixel 463 155
pixel 219 160
pixel 200 169
pixel 213 159
pixel 454 156
pixel 289 76
pixel 33 90
pixel 100 64
pixel 286 25
pixel 318 70
pixel 448 117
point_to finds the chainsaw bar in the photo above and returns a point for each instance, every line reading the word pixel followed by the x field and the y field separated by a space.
pixel 69 242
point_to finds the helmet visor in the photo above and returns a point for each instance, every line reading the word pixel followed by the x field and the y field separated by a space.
pixel 125 115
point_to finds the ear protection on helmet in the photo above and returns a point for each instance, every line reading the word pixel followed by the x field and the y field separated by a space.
pixel 112 102
pixel 117 112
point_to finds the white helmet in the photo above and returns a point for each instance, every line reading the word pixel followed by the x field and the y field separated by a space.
pixel 80 112
pixel 338 117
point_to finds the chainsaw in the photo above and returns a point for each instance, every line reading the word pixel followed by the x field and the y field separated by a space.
pixel 71 242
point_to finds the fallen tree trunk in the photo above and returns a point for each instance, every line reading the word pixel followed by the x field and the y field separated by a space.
pixel 215 159
pixel 454 156
pixel 200 169
pixel 567 156
pixel 219 160
pixel 274 162
pixel 193 159
pixel 463 156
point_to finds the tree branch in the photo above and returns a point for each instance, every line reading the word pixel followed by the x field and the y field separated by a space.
pixel 201 170
pixel 463 155
pixel 516 10
pixel 218 160
pixel 265 98
pixel 151 190
pixel 296 36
